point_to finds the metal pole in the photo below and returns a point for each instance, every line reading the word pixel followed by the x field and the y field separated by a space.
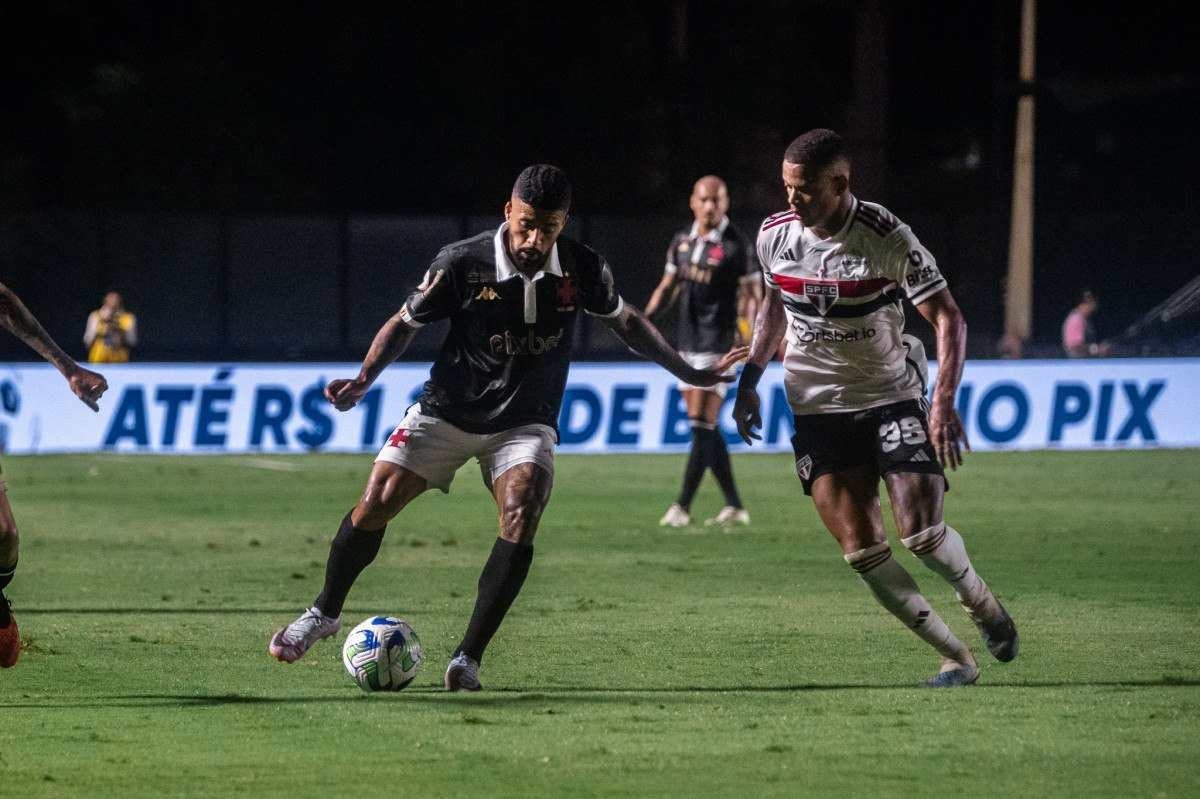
pixel 1018 300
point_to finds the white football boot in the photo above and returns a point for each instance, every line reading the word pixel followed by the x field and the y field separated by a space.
pixel 729 517
pixel 290 643
pixel 462 674
pixel 675 516
pixel 955 673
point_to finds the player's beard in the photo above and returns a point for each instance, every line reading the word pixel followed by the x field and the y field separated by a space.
pixel 529 258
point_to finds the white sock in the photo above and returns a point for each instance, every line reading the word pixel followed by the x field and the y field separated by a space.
pixel 941 548
pixel 893 586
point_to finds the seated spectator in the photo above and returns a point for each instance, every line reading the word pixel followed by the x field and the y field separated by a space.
pixel 111 331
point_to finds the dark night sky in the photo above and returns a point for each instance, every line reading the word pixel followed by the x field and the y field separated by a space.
pixel 311 107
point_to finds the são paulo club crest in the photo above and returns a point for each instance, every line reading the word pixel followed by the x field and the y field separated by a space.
pixel 821 295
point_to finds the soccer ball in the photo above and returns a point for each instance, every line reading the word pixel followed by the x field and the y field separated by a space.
pixel 382 654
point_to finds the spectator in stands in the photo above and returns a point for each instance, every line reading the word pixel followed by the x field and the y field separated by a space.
pixel 1078 332
pixel 111 331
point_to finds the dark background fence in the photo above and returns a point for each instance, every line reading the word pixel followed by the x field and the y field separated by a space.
pixel 315 287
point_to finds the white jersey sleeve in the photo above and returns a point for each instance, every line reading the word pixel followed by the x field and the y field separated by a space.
pixel 912 266
pixel 771 240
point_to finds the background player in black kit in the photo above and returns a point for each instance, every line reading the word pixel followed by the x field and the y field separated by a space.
pixel 711 279
pixel 512 297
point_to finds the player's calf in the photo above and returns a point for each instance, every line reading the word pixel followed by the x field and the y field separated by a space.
pixel 895 589
pixel 941 548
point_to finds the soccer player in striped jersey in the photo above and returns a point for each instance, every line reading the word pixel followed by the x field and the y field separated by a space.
pixel 836 269
pixel 85 384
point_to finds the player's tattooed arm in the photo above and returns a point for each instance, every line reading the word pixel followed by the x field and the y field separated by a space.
pixel 641 336
pixel 945 428
pixel 769 327
pixel 17 319
pixel 389 343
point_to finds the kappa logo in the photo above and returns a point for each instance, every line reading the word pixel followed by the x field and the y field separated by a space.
pixel 804 467
pixel 821 295
pixel 487 293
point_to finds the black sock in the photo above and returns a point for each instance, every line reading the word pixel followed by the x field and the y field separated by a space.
pixel 722 469
pixel 351 551
pixel 6 575
pixel 693 472
pixel 499 584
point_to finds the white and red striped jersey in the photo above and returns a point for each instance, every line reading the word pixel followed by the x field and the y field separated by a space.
pixel 842 296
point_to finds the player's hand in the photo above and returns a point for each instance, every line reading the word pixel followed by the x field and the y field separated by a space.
pixel 720 372
pixel 345 394
pixel 87 385
pixel 947 435
pixel 747 414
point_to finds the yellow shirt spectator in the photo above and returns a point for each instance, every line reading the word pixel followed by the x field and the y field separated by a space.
pixel 111 331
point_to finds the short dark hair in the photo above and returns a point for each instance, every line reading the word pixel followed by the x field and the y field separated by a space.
pixel 543 186
pixel 817 149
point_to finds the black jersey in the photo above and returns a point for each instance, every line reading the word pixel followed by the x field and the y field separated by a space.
pixel 504 361
pixel 710 268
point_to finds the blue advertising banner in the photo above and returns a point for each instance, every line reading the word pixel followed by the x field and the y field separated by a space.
pixel 625 407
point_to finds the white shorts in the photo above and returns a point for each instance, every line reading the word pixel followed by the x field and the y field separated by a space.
pixel 705 360
pixel 435 449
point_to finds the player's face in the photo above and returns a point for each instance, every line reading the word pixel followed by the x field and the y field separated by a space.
pixel 531 233
pixel 709 202
pixel 814 197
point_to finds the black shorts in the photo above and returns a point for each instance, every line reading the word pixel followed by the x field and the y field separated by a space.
pixel 892 438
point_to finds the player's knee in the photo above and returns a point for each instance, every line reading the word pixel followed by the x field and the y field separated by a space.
pixel 519 518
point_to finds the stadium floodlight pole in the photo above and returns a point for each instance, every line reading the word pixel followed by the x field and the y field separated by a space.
pixel 1018 295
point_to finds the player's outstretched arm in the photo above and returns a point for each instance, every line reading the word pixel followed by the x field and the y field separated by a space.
pixel 389 343
pixel 769 326
pixel 662 297
pixel 641 336
pixel 16 319
pixel 945 428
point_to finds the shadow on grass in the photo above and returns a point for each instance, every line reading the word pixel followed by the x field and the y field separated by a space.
pixel 515 696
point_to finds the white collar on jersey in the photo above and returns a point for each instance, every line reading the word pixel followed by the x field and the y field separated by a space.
pixel 713 235
pixel 504 265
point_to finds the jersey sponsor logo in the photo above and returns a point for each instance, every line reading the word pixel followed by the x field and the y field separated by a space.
pixel 920 274
pixel 807 334
pixel 697 273
pixel 487 293
pixel 528 344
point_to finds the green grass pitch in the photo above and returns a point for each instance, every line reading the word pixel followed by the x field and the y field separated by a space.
pixel 637 662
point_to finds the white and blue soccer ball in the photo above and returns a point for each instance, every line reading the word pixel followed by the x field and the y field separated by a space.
pixel 382 654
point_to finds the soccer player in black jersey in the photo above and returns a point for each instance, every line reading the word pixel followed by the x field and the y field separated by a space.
pixel 711 278
pixel 85 384
pixel 512 297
